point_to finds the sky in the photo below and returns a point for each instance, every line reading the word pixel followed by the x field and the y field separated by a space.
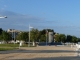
pixel 63 16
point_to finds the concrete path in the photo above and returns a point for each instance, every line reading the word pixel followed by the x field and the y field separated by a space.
pixel 40 53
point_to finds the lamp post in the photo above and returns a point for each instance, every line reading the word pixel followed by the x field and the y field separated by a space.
pixel 29 35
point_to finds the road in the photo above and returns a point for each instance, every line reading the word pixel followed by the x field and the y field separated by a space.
pixel 40 53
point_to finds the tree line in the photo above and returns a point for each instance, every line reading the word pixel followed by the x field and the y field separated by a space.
pixel 66 38
pixel 37 36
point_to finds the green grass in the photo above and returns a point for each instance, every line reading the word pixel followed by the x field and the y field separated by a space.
pixel 12 45
pixel 4 47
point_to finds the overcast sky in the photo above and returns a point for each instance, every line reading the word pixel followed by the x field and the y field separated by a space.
pixel 63 16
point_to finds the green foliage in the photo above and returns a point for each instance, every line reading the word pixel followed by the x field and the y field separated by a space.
pixel 5 36
pixel 57 38
pixel 34 35
pixel 74 39
pixel 60 38
pixel 42 32
pixel 1 31
pixel 78 39
pixel 4 47
pixel 50 30
pixel 1 37
pixel 22 36
pixel 43 38
pixel 69 38
pixel 12 45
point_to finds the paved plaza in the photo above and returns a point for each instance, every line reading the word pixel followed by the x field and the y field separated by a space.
pixel 40 53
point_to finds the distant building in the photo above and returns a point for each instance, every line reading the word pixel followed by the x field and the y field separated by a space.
pixel 14 33
pixel 51 38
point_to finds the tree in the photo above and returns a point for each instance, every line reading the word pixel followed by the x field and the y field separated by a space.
pixel 50 30
pixel 1 31
pixel 5 36
pixel 74 39
pixel 22 36
pixel 1 37
pixel 78 39
pixel 57 38
pixel 62 38
pixel 43 38
pixel 42 32
pixel 34 35
pixel 69 38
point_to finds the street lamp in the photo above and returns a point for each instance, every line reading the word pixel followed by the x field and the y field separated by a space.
pixel 3 16
pixel 29 35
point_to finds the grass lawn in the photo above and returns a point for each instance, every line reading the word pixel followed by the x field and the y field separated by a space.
pixel 4 47
pixel 12 45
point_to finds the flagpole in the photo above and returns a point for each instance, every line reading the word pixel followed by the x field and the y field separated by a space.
pixel 29 36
